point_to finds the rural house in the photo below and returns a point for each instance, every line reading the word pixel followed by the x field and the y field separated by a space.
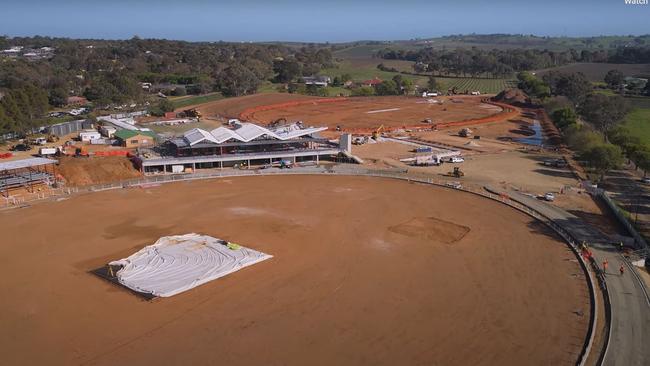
pixel 135 138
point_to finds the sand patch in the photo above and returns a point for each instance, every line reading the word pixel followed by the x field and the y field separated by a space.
pixel 431 228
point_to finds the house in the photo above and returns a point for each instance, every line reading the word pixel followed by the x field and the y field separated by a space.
pixel 135 138
pixel 372 82
pixel 75 100
pixel 317 80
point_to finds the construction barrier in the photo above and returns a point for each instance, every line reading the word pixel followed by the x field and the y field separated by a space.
pixel 113 153
pixel 6 155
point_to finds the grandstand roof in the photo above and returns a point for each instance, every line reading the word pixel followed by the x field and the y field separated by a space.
pixel 25 163
pixel 246 132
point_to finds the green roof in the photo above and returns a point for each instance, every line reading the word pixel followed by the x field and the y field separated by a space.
pixel 127 134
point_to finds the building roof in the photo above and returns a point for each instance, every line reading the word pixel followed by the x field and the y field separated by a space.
pixel 374 81
pixel 127 134
pixel 25 163
pixel 246 132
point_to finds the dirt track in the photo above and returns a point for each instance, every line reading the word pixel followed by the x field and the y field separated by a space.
pixel 352 113
pixel 359 276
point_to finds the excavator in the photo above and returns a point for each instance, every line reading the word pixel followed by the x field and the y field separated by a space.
pixel 192 113
pixel 456 173
pixel 278 122
pixel 377 133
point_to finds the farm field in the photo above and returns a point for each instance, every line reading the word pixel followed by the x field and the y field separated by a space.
pixel 364 69
pixel 182 102
pixel 364 271
pixel 596 71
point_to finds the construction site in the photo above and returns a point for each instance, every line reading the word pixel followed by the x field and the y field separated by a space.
pixel 323 230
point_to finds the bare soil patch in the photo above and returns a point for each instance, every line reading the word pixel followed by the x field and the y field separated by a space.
pixel 96 170
pixel 342 288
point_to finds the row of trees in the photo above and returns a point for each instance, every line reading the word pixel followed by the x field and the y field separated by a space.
pixel 504 62
pixel 601 142
pixel 22 109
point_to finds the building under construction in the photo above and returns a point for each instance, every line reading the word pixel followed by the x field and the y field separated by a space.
pixel 242 144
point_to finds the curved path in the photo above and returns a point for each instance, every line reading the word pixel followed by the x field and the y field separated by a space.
pixel 630 308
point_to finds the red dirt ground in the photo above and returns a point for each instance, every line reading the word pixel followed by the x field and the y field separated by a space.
pixel 353 113
pixel 365 271
pixel 350 113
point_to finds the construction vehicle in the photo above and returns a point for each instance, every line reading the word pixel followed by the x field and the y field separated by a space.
pixel 278 122
pixel 377 133
pixel 286 164
pixel 465 132
pixel 456 173
pixel 192 113
pixel 52 138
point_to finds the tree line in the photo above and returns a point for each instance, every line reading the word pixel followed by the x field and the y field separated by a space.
pixel 591 123
pixel 504 62
pixel 109 72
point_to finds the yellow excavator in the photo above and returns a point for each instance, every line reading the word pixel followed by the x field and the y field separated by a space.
pixel 377 133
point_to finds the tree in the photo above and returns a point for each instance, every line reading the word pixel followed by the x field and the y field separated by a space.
pixel 364 91
pixel 286 70
pixel 614 79
pixel 574 86
pixel 604 112
pixel 603 158
pixel 387 87
pixel 641 158
pixel 237 80
pixel 433 84
pixel 533 86
pixel 179 91
pixel 58 97
pixel 564 117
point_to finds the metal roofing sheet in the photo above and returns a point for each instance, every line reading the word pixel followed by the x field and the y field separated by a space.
pixel 25 163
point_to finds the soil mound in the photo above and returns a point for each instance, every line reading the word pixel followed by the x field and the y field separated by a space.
pixel 96 170
pixel 512 96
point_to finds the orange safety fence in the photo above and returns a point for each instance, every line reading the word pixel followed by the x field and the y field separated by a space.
pixel 6 155
pixel 112 153
pixel 247 114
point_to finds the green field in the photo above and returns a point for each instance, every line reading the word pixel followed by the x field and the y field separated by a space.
pixel 195 99
pixel 364 69
pixel 638 122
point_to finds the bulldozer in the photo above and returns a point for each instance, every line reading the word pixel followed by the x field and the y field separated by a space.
pixel 377 133
pixel 457 173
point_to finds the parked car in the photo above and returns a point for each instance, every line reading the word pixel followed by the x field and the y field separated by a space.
pixel 455 185
pixel 549 197
pixel 455 159
pixel 646 180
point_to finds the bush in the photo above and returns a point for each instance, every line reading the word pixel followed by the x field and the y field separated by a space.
pixel 364 91
pixel 179 91
pixel 564 117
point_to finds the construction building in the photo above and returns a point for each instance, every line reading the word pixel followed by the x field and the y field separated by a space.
pixel 243 144
pixel 26 174
pixel 135 138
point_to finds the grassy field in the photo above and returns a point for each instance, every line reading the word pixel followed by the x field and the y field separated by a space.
pixel 638 122
pixel 181 102
pixel 596 71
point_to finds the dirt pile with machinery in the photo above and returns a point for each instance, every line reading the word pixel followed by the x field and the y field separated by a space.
pixel 82 171
pixel 512 96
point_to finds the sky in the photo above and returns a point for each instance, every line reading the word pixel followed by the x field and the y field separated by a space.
pixel 317 21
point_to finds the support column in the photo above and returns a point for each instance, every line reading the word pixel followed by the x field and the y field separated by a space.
pixel 221 165
pixel 193 167
pixel 316 159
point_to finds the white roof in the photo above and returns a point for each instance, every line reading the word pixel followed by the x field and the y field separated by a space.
pixel 118 123
pixel 25 163
pixel 246 132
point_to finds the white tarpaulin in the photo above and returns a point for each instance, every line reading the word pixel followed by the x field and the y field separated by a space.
pixel 178 263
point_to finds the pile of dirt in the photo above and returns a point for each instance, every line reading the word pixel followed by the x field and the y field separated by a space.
pixel 96 170
pixel 512 96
